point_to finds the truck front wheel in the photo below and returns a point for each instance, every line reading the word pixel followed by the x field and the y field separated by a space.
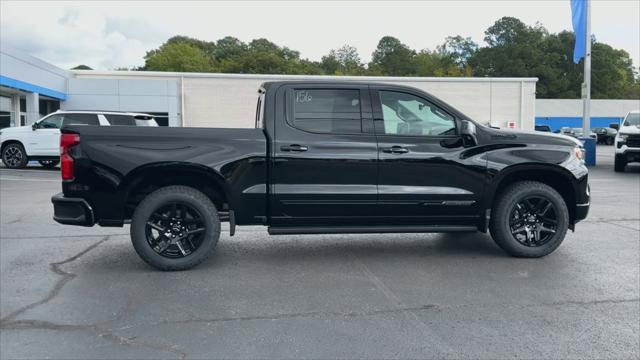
pixel 175 228
pixel 529 219
pixel 619 163
pixel 14 156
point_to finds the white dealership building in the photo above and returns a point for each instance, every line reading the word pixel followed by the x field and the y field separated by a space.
pixel 31 88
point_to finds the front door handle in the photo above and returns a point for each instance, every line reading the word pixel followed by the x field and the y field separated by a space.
pixel 396 149
pixel 294 147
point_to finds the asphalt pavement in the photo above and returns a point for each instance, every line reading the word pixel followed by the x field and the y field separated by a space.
pixel 75 292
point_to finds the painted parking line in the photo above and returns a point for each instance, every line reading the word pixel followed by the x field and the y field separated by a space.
pixel 19 178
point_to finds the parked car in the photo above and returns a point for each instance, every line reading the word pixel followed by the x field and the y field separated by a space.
pixel 605 135
pixel 41 141
pixel 324 157
pixel 543 128
pixel 627 141
pixel 575 132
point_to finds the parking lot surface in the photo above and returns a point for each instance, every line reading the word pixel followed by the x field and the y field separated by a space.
pixel 74 292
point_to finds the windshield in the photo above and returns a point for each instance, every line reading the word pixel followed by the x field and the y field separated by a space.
pixel 632 120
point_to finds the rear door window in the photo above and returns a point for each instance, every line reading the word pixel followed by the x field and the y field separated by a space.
pixel 116 119
pixel 81 119
pixel 335 111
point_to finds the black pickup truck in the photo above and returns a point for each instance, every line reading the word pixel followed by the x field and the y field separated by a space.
pixel 324 157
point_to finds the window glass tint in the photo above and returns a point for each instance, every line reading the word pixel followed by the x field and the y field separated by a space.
pixel 81 119
pixel 406 114
pixel 327 110
pixel 115 119
pixel 52 122
pixel 632 120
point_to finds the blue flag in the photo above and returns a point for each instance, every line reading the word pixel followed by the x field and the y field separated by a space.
pixel 579 20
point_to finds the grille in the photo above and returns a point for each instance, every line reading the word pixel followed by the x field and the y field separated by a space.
pixel 633 141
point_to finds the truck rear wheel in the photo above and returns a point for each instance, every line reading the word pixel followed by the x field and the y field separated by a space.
pixel 530 219
pixel 175 228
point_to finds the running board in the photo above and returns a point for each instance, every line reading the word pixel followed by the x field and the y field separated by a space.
pixel 301 230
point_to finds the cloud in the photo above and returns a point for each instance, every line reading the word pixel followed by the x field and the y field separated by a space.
pixel 111 34
pixel 69 36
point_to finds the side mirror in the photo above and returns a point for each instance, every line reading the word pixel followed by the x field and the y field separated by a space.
pixel 34 126
pixel 468 132
pixel 615 126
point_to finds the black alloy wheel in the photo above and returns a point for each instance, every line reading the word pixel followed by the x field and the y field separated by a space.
pixel 529 219
pixel 175 230
pixel 533 221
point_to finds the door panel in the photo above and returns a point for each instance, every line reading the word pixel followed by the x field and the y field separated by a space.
pixel 422 179
pixel 45 140
pixel 324 166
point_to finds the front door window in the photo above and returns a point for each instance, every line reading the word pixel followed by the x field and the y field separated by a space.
pixel 406 114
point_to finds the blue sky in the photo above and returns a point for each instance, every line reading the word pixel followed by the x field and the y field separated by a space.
pixel 108 35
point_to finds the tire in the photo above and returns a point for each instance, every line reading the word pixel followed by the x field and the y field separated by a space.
pixel 503 214
pixel 619 163
pixel 14 156
pixel 186 198
pixel 49 164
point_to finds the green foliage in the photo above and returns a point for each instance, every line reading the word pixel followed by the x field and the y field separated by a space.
pixel 344 61
pixel 178 56
pixel 393 58
pixel 513 49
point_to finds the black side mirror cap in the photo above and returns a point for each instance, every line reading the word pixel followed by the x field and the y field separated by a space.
pixel 34 126
pixel 468 133
pixel 615 126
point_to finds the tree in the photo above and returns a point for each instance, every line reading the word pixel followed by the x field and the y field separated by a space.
pixel 81 67
pixel 178 56
pixel 207 46
pixel 344 61
pixel 392 57
pixel 458 49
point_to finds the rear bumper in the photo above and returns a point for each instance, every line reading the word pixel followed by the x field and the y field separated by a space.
pixel 72 211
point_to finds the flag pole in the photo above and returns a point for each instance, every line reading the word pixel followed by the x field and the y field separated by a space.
pixel 586 91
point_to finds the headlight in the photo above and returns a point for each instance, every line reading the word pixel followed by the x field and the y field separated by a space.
pixel 579 153
pixel 622 137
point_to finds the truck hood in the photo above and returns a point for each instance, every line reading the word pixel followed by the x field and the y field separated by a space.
pixel 534 137
pixel 16 130
pixel 629 130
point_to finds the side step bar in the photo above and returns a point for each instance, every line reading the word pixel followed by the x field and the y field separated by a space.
pixel 301 230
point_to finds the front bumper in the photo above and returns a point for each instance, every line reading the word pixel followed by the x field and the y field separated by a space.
pixel 582 210
pixel 629 154
pixel 72 211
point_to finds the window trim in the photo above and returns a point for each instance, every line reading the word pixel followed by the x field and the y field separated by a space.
pixel 290 111
pixel 378 103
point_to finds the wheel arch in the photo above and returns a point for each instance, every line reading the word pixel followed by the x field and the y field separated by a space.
pixel 11 141
pixel 143 180
pixel 559 178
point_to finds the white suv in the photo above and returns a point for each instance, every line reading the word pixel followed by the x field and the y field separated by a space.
pixel 627 143
pixel 41 141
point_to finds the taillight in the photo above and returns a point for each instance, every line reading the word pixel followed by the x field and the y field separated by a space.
pixel 66 161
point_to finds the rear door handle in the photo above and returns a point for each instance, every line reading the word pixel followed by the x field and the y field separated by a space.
pixel 294 147
pixel 396 149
